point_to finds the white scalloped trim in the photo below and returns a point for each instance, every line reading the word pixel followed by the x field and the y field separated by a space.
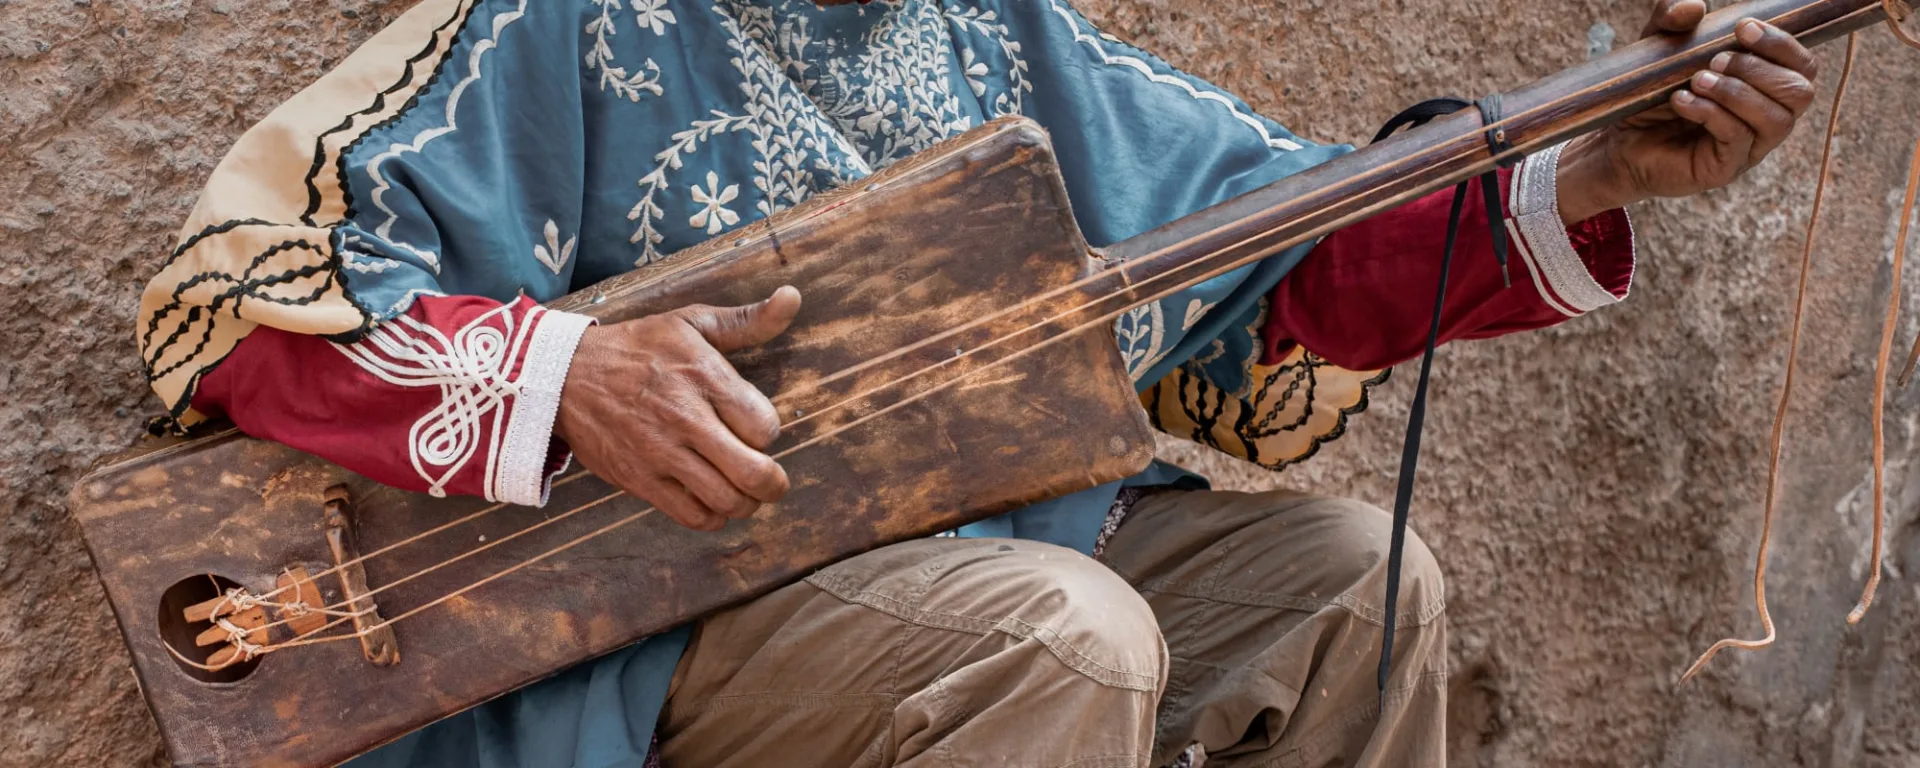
pixel 380 182
pixel 1140 65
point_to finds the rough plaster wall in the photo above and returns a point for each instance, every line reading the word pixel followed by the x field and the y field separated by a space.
pixel 1593 490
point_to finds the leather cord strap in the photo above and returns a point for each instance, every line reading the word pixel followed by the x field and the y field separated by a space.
pixel 1500 147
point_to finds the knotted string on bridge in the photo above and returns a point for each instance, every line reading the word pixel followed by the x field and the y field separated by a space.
pixel 240 600
pixel 1153 288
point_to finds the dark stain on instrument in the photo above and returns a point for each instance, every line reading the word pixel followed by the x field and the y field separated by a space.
pixel 968 230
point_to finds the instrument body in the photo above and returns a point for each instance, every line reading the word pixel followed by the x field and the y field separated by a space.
pixel 957 233
pixel 970 244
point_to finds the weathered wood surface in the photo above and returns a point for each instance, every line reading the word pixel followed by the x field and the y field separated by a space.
pixel 970 230
pixel 962 232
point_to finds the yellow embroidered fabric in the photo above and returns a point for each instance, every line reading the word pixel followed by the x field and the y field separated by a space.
pixel 1290 410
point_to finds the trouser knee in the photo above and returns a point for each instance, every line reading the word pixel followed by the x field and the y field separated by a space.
pixel 1085 615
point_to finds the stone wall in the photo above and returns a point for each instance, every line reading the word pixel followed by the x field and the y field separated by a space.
pixel 1592 490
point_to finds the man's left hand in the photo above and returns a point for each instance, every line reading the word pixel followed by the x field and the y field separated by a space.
pixel 1726 120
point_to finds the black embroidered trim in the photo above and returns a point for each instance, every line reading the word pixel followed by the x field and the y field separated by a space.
pixel 1263 429
pixel 331 267
pixel 1340 421
pixel 459 24
pixel 179 409
pixel 153 325
pixel 209 231
pixel 1205 409
pixel 245 286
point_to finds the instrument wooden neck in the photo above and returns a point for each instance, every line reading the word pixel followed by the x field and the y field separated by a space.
pixel 1451 149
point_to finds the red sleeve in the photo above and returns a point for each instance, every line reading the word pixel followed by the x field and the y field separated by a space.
pixel 458 395
pixel 1363 298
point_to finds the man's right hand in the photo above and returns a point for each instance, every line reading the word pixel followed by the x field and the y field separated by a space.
pixel 651 406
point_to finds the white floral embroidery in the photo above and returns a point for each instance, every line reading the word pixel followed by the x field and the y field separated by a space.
pixel 974 69
pixel 896 101
pixel 554 254
pixel 1141 332
pixel 789 131
pixel 648 211
pixel 612 76
pixel 713 215
pixel 1196 309
pixel 792 138
pixel 987 24
pixel 885 104
pixel 653 14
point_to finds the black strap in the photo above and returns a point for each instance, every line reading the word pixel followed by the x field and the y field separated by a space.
pixel 1506 157
pixel 1415 116
pixel 1420 114
pixel 1497 142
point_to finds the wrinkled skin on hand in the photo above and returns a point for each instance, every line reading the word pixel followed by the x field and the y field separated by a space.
pixel 1727 119
pixel 652 406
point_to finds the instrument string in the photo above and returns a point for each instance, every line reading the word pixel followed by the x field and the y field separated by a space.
pixel 312 638
pixel 1786 387
pixel 1176 275
pixel 1418 159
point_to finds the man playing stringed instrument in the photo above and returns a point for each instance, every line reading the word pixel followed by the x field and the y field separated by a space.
pixel 529 149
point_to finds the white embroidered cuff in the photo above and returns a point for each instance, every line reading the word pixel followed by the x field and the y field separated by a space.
pixel 1540 238
pixel 520 472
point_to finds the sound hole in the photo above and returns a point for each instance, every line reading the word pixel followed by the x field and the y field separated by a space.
pixel 179 634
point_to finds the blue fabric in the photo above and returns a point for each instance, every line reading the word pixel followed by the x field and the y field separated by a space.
pixel 596 715
pixel 1073 521
pixel 593 136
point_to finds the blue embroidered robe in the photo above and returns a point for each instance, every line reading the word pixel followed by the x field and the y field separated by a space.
pixel 493 147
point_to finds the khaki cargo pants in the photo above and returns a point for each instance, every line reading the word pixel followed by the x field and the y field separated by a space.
pixel 1246 624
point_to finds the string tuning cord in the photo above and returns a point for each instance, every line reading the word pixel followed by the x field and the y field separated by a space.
pixel 1887 330
pixel 1786 386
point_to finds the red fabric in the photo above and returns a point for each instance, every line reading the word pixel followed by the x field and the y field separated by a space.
pixel 306 392
pixel 1363 298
